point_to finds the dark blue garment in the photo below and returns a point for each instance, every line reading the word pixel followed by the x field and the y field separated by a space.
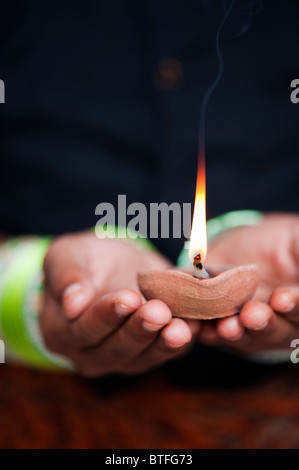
pixel 103 98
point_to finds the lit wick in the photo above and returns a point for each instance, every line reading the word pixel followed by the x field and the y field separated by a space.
pixel 199 270
pixel 198 238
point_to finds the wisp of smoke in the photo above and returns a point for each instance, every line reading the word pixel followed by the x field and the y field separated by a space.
pixel 213 85
pixel 236 16
pixel 240 16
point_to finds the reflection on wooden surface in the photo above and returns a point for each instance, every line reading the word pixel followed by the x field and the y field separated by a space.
pixel 216 401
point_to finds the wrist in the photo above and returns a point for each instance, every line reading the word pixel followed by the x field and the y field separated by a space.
pixel 20 298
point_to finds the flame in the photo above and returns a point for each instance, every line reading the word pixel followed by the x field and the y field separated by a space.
pixel 198 239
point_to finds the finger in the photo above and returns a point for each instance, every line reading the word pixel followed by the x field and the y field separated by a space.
pixel 63 265
pixel 285 300
pixel 261 322
pixel 136 334
pixel 174 340
pixel 126 344
pixel 66 276
pixel 77 297
pixel 179 333
pixel 255 315
pixel 230 328
pixel 104 316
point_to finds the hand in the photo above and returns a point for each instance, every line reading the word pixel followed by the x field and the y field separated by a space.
pixel 94 314
pixel 271 319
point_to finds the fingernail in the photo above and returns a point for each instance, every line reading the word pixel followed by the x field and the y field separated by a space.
pixel 74 298
pixel 261 327
pixel 122 309
pixel 72 289
pixel 152 326
pixel 165 344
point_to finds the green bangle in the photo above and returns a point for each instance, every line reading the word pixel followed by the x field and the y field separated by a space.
pixel 232 220
pixel 222 223
pixel 21 286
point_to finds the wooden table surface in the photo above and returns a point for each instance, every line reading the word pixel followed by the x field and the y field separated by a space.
pixel 207 400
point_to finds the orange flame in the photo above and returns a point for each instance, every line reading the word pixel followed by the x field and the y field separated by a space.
pixel 198 239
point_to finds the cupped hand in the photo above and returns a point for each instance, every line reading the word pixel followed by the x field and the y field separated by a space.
pixel 94 313
pixel 271 320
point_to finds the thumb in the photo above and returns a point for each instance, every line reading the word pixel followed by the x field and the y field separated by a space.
pixel 67 278
pixel 77 297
